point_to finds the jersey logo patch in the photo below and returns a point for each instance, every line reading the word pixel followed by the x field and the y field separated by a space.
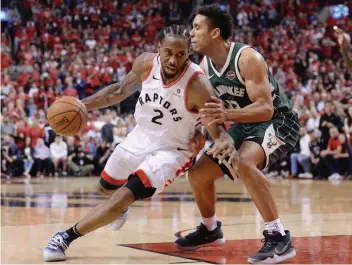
pixel 178 93
pixel 230 75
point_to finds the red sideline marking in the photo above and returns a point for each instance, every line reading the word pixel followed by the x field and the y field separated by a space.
pixel 310 250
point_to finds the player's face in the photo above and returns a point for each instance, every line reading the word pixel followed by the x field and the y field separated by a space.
pixel 173 55
pixel 201 35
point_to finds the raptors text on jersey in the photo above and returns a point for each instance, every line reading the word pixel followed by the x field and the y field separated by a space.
pixel 161 110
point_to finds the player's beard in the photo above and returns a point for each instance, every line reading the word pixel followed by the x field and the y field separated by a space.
pixel 167 75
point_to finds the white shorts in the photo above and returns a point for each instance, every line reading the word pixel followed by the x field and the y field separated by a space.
pixel 157 166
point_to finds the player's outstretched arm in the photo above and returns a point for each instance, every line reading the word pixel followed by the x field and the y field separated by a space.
pixel 119 91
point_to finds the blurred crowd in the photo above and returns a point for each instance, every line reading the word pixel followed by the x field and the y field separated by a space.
pixel 75 47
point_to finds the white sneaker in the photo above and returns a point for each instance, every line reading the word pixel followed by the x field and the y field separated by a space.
pixel 272 174
pixel 332 176
pixel 55 249
pixel 338 176
pixel 335 176
pixel 306 175
pixel 119 222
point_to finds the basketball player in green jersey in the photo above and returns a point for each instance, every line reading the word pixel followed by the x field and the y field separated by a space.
pixel 264 128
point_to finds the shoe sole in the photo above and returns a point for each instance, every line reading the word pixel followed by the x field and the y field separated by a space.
pixel 124 219
pixel 48 257
pixel 216 243
pixel 276 259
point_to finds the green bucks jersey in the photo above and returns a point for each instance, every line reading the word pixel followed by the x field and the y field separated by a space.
pixel 230 87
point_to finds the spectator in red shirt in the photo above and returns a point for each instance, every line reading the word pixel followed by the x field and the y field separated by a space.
pixel 36 132
pixel 329 155
pixel 22 127
pixel 6 60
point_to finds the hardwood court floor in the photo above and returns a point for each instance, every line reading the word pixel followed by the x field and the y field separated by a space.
pixel 318 214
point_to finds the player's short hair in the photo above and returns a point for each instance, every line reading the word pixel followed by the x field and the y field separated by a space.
pixel 178 31
pixel 218 18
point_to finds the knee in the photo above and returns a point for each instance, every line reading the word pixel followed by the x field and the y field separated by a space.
pixel 243 165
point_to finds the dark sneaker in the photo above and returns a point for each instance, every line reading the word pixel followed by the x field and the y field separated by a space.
pixel 277 248
pixel 201 238
pixel 55 249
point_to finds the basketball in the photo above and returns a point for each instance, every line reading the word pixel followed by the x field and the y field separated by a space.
pixel 67 116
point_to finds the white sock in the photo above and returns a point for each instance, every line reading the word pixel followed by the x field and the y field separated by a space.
pixel 211 222
pixel 275 225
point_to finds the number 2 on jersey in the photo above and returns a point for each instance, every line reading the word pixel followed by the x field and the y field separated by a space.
pixel 157 117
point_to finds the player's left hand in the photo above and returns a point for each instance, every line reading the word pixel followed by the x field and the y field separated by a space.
pixel 225 151
pixel 214 112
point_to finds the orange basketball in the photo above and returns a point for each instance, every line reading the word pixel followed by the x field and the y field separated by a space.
pixel 67 116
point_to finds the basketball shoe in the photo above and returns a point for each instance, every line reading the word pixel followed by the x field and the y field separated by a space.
pixel 55 249
pixel 277 248
pixel 202 237
pixel 119 222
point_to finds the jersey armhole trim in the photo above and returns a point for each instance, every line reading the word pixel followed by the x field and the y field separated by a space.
pixel 186 91
pixel 236 64
pixel 206 66
pixel 150 68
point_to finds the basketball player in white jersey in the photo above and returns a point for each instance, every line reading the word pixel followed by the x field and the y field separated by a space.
pixel 156 152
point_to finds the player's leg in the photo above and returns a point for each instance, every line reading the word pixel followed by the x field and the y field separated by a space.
pixel 100 216
pixel 106 212
pixel 251 161
pixel 119 165
pixel 163 168
pixel 277 245
pixel 201 177
pixel 271 141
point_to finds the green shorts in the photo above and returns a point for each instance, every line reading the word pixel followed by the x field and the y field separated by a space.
pixel 276 137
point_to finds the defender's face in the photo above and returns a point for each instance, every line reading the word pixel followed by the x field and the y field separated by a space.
pixel 173 55
pixel 200 34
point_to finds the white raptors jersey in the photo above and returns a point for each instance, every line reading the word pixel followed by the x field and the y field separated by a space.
pixel 161 111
